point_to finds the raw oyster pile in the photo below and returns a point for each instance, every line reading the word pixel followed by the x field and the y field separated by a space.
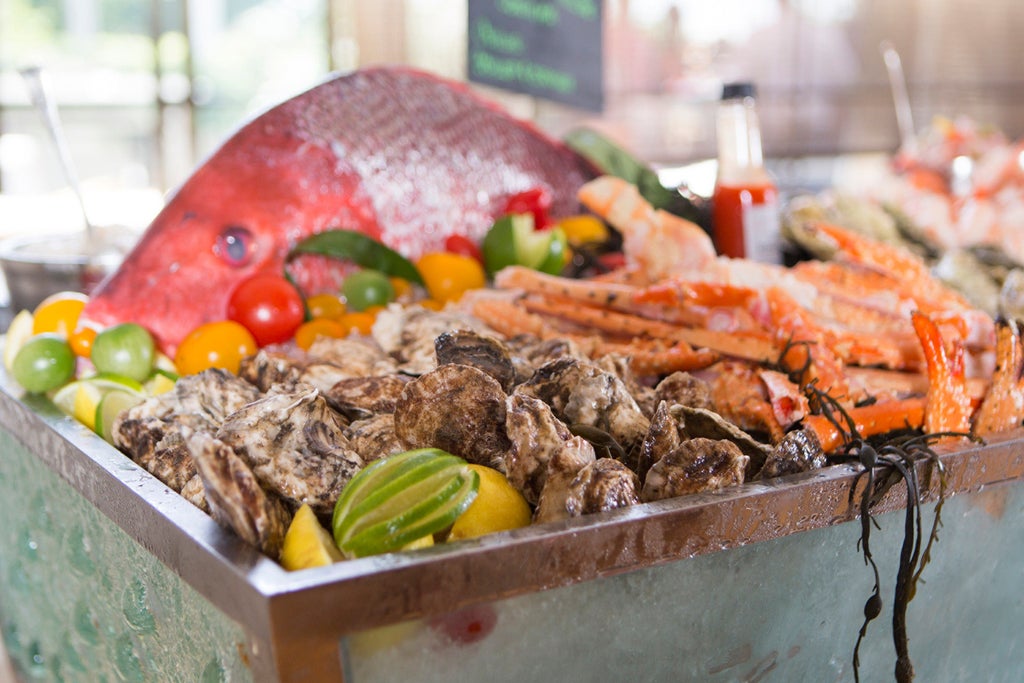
pixel 574 435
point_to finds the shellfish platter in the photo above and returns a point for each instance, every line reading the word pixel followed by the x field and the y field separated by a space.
pixel 471 356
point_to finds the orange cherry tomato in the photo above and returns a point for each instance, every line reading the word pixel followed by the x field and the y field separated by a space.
pixel 431 304
pixel 325 306
pixel 361 321
pixel 81 340
pixel 449 275
pixel 221 344
pixel 318 327
pixel 401 286
pixel 58 313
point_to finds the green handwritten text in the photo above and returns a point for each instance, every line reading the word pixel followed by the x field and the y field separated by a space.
pixel 494 38
pixel 585 9
pixel 516 70
pixel 537 12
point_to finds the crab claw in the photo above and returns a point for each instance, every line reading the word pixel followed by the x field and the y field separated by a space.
pixel 948 406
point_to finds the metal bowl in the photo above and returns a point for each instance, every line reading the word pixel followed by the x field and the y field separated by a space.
pixel 36 266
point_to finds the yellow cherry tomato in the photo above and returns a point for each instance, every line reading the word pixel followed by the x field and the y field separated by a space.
pixel 81 340
pixel 361 321
pixel 58 313
pixel 448 275
pixel 325 306
pixel 318 327
pixel 584 228
pixel 221 344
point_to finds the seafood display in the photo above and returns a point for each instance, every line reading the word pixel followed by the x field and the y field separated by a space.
pixel 402 156
pixel 954 196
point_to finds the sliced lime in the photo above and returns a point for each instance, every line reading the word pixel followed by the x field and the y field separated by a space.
pixel 108 381
pixel 399 499
pixel 429 516
pixel 113 403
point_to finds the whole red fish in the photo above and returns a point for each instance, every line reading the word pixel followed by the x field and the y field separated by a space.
pixel 403 156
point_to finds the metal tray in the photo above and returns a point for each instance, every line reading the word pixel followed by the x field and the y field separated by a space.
pixel 308 625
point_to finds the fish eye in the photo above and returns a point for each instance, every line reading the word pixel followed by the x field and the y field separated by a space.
pixel 234 245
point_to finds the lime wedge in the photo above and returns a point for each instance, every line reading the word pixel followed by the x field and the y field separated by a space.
pixel 402 498
pixel 19 331
pixel 113 403
pixel 306 543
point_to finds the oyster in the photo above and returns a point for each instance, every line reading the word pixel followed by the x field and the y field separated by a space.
pixel 602 485
pixel 374 437
pixel 456 408
pixel 799 451
pixel 295 445
pixel 236 499
pixel 151 433
pixel 540 444
pixel 697 465
pixel 480 351
pixel 360 397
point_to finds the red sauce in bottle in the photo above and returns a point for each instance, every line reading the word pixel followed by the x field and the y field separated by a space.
pixel 734 215
pixel 745 204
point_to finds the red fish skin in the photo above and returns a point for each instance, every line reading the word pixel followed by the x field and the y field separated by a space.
pixel 405 157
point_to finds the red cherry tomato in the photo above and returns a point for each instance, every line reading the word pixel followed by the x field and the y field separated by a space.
pixel 268 306
pixel 462 245
pixel 537 201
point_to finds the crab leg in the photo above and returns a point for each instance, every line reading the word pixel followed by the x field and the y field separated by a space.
pixel 948 403
pixel 870 420
pixel 1003 405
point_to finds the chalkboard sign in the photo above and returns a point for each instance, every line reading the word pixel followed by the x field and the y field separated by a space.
pixel 548 48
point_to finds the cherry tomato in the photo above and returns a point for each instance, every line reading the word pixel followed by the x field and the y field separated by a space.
pixel 448 276
pixel 359 321
pixel 268 306
pixel 221 344
pixel 127 349
pixel 58 313
pixel 325 306
pixel 460 244
pixel 535 201
pixel 81 340
pixel 401 285
pixel 318 327
pixel 365 288
pixel 44 362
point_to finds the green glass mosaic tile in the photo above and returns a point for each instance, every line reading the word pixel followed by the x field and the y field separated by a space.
pixel 81 601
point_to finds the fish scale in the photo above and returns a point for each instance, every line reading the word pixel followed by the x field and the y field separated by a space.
pixel 403 156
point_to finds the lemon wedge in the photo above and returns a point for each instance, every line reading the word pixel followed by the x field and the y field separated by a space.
pixel 498 506
pixel 306 543
pixel 19 332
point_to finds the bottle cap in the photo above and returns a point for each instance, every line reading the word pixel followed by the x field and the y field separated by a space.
pixel 739 90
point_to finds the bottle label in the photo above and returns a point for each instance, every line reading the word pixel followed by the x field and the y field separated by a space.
pixel 762 239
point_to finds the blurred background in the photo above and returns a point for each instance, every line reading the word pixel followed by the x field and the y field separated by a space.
pixel 147 88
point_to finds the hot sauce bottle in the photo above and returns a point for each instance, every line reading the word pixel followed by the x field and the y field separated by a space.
pixel 745 204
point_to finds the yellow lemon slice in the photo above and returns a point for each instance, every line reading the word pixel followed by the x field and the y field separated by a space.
pixel 306 543
pixel 19 332
pixel 498 507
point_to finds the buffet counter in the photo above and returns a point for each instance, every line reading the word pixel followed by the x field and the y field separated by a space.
pixel 109 574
